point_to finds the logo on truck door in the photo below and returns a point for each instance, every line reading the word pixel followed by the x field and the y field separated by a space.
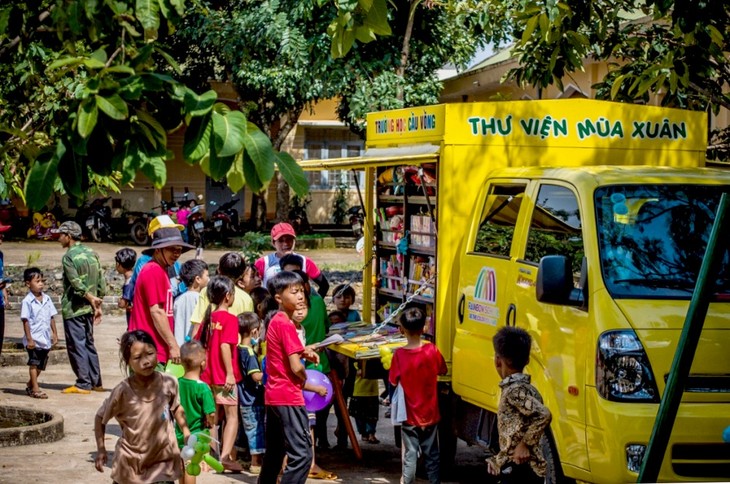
pixel 482 308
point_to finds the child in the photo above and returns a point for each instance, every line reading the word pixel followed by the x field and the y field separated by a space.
pixel 251 389
pixel 522 417
pixel 125 259
pixel 341 364
pixel 194 273
pixel 232 266
pixel 416 367
pixel 364 405
pixel 344 297
pixel 219 336
pixel 144 404
pixel 40 335
pixel 250 280
pixel 287 429
pixel 181 217
pixel 195 396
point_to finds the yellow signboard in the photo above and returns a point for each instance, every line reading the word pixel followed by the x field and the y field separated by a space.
pixel 561 123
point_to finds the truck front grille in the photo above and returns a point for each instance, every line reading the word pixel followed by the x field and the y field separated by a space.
pixel 701 460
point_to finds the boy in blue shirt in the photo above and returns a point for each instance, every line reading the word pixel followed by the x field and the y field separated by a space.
pixel 39 328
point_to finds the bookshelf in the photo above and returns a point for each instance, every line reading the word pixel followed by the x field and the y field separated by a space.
pixel 403 211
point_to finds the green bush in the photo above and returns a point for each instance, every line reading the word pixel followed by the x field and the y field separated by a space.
pixel 254 244
pixel 339 205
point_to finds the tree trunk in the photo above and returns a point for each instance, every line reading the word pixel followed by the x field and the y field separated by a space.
pixel 279 132
pixel 406 49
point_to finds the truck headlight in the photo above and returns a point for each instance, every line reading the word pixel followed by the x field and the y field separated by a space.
pixel 623 372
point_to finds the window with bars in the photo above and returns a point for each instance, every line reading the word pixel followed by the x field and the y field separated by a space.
pixel 330 179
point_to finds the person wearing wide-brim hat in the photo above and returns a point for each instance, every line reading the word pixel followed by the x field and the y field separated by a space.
pixel 152 305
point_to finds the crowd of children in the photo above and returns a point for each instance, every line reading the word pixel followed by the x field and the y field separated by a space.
pixel 224 326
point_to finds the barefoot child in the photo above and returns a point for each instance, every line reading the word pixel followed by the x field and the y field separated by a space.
pixel 219 335
pixel 39 328
pixel 416 367
pixel 287 427
pixel 195 395
pixel 344 297
pixel 144 404
pixel 522 418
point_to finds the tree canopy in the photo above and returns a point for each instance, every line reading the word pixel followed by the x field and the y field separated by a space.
pixel 89 93
pixel 675 49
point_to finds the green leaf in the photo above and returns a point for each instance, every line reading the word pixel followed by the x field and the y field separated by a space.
pixel 228 133
pixel 73 174
pixel 529 28
pixel 155 169
pixel 127 160
pixel 121 70
pixel 235 178
pixel 170 61
pixel 377 18
pixel 257 147
pixel 99 55
pixel 617 86
pixel 42 176
pixel 364 34
pixel 87 116
pixel 199 105
pixel 249 173
pixel 197 139
pixel 113 106
pixel 148 14
pixel 218 166
pixel 292 173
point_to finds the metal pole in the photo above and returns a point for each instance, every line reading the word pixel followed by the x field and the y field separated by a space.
pixel 687 345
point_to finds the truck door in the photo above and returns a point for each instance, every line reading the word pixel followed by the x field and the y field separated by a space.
pixel 560 333
pixel 485 303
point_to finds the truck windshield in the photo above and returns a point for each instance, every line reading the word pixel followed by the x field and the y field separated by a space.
pixel 652 238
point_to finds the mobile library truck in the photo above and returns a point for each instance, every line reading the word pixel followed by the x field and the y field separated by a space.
pixel 465 201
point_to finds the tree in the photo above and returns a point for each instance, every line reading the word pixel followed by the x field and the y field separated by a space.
pixel 86 96
pixel 279 57
pixel 675 49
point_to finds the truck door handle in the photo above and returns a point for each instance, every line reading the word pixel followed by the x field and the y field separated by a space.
pixel 461 308
pixel 512 311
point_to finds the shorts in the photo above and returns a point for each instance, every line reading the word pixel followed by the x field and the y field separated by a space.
pixel 223 397
pixel 312 417
pixel 253 424
pixel 38 357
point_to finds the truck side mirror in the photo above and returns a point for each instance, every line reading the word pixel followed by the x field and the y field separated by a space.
pixel 554 280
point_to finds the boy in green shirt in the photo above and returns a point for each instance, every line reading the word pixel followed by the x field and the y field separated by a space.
pixel 196 397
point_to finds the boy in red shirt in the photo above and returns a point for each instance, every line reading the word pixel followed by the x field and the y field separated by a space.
pixel 287 426
pixel 416 367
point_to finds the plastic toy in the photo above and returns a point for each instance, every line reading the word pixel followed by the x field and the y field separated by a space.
pixel 313 401
pixel 386 357
pixel 196 451
pixel 175 370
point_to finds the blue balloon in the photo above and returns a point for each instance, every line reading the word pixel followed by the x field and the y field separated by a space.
pixel 314 402
pixel 726 435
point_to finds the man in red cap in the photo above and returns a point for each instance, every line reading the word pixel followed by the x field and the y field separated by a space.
pixel 3 289
pixel 283 238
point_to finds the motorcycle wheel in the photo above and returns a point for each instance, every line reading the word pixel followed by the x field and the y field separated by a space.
pixel 196 238
pixel 138 232
pixel 95 233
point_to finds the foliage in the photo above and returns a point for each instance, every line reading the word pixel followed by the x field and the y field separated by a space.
pixel 254 244
pixel 86 95
pixel 339 205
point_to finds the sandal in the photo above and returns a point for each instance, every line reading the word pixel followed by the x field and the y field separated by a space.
pixel 373 440
pixel 28 391
pixel 323 474
pixel 39 394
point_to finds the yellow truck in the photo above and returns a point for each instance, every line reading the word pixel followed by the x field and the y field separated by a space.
pixel 584 222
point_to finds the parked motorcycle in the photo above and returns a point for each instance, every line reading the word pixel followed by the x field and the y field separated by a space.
pixel 95 219
pixel 138 228
pixel 356 218
pixel 225 220
pixel 196 227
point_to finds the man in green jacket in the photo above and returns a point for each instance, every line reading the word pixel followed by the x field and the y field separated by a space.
pixel 83 289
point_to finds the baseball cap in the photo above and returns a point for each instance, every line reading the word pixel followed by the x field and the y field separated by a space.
pixel 70 228
pixel 280 229
pixel 162 222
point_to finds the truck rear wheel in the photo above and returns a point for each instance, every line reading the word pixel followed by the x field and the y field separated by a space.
pixel 554 473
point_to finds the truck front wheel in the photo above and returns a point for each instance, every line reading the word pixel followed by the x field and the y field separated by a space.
pixel 554 473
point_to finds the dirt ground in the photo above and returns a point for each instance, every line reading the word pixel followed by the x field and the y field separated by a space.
pixel 70 460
